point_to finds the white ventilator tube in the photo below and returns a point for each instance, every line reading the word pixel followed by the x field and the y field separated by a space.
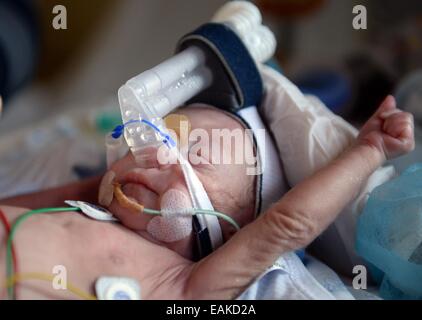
pixel 147 98
pixel 154 93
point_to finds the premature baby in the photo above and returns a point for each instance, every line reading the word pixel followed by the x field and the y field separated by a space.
pixel 164 269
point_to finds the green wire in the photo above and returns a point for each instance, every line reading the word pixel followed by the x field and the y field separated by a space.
pixel 152 212
pixel 219 215
pixel 9 260
pixel 201 211
pixel 22 218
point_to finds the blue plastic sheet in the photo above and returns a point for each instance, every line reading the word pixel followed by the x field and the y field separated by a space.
pixel 389 235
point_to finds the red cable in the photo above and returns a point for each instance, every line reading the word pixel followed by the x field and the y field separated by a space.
pixel 7 227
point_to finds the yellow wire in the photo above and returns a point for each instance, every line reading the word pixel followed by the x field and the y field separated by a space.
pixel 19 277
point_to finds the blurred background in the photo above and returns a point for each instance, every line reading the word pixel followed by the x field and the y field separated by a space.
pixel 61 85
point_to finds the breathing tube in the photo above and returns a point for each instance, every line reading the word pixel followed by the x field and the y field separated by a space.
pixel 226 45
pixel 215 64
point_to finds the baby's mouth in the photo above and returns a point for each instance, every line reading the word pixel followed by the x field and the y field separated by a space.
pixel 110 189
pixel 126 202
pixel 128 196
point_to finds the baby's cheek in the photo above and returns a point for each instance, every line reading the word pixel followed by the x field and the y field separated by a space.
pixel 128 217
pixel 123 165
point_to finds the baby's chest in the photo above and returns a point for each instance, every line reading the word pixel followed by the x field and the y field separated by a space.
pixel 86 250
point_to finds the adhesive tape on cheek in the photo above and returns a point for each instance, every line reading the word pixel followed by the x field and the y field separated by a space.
pixel 181 126
pixel 176 221
pixel 106 189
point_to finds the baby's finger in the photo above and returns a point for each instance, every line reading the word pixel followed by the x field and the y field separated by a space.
pixel 398 124
pixel 398 147
pixel 386 114
pixel 389 104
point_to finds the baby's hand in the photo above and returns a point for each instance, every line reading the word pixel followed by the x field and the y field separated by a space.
pixel 390 130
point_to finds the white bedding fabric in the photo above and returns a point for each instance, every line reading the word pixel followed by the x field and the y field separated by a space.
pixel 309 136
pixel 43 155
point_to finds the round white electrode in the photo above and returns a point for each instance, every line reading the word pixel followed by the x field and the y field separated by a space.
pixel 117 288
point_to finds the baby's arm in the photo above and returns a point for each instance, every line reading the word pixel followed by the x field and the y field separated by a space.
pixel 306 210
pixel 387 134
pixel 309 136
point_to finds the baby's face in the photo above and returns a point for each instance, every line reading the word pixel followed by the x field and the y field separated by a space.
pixel 226 182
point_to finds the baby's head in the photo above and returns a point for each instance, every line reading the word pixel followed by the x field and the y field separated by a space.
pixel 227 182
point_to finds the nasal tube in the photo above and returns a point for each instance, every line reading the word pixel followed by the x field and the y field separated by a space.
pixel 156 92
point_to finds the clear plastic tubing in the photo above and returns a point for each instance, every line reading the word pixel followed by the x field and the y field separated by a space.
pixel 178 93
pixel 155 92
pixel 115 149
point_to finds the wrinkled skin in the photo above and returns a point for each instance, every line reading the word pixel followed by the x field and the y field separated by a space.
pixel 89 249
